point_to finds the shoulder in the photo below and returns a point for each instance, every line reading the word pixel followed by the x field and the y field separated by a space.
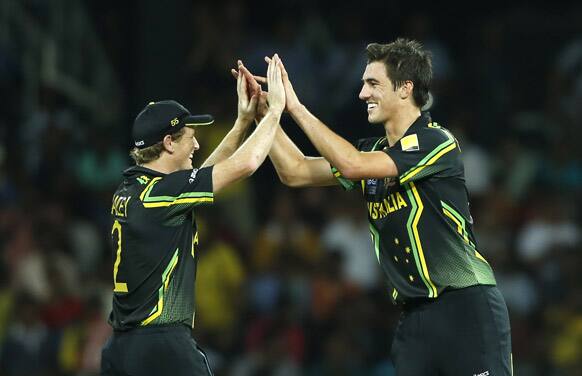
pixel 367 144
pixel 437 132
pixel 429 137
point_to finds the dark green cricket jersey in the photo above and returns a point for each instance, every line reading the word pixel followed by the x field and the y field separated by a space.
pixel 154 242
pixel 420 223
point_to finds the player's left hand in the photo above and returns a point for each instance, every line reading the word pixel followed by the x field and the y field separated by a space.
pixel 247 100
pixel 253 87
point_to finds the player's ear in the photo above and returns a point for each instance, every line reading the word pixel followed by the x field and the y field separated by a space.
pixel 406 89
pixel 167 143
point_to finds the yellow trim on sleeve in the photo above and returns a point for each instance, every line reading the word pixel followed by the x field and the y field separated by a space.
pixel 188 200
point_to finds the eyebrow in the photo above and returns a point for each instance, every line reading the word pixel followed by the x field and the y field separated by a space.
pixel 370 80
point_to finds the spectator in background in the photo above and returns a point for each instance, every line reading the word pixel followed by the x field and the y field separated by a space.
pixel 549 227
pixel 28 347
pixel 98 163
pixel 349 234
pixel 565 84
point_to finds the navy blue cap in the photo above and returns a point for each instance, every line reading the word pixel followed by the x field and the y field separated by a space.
pixel 159 119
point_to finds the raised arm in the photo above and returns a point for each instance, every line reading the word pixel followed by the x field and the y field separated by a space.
pixel 293 167
pixel 352 163
pixel 252 153
pixel 234 138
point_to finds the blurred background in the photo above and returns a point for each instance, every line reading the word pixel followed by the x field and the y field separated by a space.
pixel 287 279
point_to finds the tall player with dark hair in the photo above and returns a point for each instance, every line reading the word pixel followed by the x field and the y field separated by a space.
pixel 454 320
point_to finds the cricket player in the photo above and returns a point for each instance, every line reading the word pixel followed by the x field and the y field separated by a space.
pixel 154 235
pixel 454 320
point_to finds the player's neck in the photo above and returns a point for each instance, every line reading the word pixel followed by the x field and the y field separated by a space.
pixel 161 165
pixel 397 125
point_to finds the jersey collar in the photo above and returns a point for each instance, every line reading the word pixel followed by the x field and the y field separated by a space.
pixel 136 170
pixel 422 121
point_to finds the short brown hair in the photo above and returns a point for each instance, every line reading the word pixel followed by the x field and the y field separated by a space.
pixel 151 153
pixel 405 60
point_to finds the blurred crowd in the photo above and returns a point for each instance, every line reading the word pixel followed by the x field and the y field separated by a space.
pixel 288 283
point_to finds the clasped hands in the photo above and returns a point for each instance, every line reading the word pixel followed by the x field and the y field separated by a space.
pixel 253 102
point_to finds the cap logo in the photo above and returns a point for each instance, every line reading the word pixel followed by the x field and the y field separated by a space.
pixel 174 122
pixel 139 143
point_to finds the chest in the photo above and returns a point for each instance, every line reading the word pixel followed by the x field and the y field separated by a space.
pixel 384 197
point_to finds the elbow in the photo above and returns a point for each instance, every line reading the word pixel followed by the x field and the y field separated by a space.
pixel 348 166
pixel 288 180
pixel 250 166
pixel 292 174
pixel 349 171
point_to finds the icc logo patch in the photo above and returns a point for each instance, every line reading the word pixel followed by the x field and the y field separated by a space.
pixel 371 186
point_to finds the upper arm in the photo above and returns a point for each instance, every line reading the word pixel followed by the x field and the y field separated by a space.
pixel 228 171
pixel 369 165
pixel 180 191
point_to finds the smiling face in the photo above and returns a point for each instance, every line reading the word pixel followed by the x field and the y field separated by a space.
pixel 184 149
pixel 378 92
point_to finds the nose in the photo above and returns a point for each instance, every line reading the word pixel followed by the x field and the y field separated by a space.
pixel 364 93
pixel 196 145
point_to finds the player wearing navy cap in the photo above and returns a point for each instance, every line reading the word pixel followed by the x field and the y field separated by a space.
pixel 154 236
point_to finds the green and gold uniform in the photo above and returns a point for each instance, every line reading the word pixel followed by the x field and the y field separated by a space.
pixel 154 241
pixel 422 232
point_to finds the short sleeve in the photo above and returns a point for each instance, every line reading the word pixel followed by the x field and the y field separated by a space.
pixel 429 151
pixel 364 144
pixel 185 189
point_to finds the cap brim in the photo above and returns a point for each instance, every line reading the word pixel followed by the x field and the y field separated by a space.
pixel 198 120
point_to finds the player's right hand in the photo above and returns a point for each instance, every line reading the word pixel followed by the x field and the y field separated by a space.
pixel 276 94
pixel 292 101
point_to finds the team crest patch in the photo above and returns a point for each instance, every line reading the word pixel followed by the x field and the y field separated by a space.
pixel 410 143
pixel 389 182
pixel 143 179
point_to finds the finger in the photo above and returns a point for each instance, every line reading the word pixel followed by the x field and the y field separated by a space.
pixel 234 73
pixel 274 69
pixel 250 78
pixel 267 59
pixel 277 68
pixel 278 72
pixel 270 73
pixel 245 71
pixel 238 83
pixel 260 79
pixel 243 85
pixel 283 70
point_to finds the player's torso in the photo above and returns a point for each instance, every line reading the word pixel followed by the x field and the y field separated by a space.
pixel 422 235
pixel 154 265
